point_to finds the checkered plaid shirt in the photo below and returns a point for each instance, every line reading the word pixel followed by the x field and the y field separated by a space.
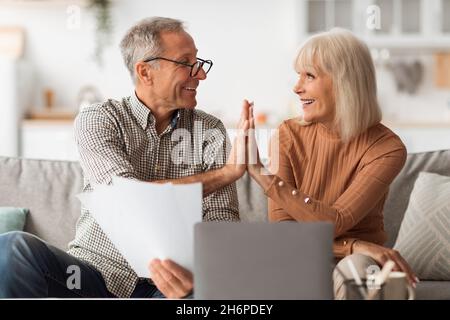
pixel 120 139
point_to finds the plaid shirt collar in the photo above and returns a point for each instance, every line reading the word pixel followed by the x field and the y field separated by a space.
pixel 144 115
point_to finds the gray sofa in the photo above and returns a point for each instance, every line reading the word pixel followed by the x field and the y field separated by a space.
pixel 47 188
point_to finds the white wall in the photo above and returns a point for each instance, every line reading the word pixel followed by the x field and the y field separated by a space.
pixel 9 118
pixel 252 43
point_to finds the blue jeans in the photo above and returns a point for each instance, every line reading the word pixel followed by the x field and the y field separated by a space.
pixel 30 268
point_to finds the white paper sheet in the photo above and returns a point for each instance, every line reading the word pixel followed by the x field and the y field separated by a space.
pixel 146 221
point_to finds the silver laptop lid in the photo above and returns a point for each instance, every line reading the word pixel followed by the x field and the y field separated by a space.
pixel 287 260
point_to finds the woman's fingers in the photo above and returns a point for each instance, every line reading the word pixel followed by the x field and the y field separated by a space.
pixel 400 264
pixel 403 266
pixel 381 255
pixel 252 145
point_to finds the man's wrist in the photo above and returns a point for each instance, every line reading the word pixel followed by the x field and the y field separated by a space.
pixel 229 173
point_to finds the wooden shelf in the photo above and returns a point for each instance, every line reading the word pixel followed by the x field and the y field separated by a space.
pixel 51 114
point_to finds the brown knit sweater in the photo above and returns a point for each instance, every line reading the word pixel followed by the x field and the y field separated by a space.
pixel 343 183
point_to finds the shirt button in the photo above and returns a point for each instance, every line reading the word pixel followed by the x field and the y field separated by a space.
pixel 157 168
pixel 281 183
pixel 307 200
pixel 294 192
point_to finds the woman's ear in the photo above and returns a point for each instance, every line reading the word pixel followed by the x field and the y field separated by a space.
pixel 143 72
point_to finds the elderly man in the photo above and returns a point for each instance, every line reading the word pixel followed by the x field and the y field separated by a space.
pixel 137 137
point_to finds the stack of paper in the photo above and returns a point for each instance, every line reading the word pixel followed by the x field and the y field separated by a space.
pixel 146 220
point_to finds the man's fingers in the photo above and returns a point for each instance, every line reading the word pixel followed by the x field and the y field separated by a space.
pixel 179 272
pixel 168 276
pixel 166 280
pixel 245 112
pixel 163 286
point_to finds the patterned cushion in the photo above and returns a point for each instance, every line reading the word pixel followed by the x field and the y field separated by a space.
pixel 424 236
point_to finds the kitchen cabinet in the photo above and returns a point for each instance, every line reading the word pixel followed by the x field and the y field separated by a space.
pixel 392 24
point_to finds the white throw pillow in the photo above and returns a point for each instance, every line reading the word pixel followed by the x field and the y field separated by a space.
pixel 424 236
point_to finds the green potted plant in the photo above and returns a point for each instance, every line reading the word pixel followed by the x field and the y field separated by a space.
pixel 103 28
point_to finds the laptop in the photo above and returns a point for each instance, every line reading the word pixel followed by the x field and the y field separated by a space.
pixel 285 260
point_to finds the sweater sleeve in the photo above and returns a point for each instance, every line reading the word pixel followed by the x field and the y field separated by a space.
pixel 380 165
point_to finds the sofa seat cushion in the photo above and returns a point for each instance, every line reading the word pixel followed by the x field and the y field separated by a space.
pixel 433 290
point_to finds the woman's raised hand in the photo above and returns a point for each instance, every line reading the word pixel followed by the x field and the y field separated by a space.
pixel 254 164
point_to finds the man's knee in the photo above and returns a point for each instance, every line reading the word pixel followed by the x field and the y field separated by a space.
pixel 17 264
pixel 15 244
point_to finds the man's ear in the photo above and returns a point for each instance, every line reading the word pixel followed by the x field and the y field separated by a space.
pixel 144 72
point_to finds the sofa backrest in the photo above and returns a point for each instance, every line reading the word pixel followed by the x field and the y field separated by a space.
pixel 400 190
pixel 48 189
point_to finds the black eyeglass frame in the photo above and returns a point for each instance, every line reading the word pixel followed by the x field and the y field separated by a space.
pixel 199 62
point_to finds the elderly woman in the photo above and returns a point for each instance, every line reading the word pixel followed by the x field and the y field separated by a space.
pixel 336 162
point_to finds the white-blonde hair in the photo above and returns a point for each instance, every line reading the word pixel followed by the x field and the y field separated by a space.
pixel 347 60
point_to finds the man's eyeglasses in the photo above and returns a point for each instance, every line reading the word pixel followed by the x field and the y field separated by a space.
pixel 195 67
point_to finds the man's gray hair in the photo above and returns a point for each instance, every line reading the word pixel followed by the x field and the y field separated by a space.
pixel 144 40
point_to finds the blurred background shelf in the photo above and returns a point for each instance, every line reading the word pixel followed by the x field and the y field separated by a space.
pixel 52 114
